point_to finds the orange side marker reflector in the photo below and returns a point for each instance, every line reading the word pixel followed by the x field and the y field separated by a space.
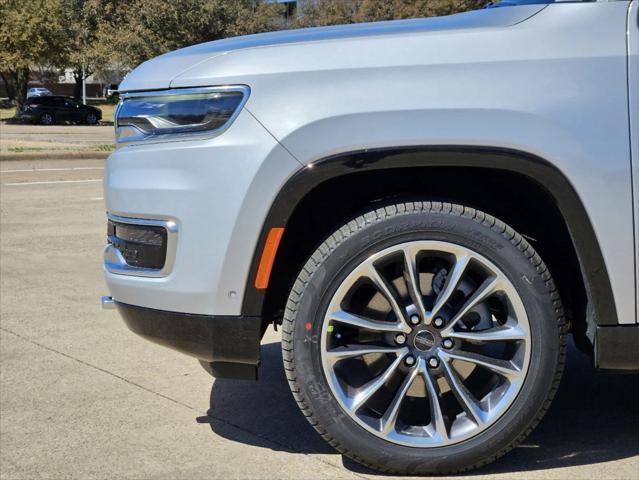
pixel 268 257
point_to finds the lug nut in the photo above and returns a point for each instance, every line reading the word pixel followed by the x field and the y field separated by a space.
pixel 433 362
pixel 409 360
pixel 448 343
pixel 439 322
pixel 400 339
pixel 414 319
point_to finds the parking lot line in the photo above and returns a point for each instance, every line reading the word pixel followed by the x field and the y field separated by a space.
pixel 50 182
pixel 28 170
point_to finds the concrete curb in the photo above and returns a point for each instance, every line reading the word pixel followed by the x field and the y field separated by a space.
pixel 53 156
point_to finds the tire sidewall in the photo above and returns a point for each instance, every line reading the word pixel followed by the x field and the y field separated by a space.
pixel 427 225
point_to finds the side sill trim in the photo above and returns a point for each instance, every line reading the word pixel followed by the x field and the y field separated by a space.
pixel 617 348
pixel 231 341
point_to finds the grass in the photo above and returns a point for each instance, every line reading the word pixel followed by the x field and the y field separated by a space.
pixel 104 147
pixel 6 113
pixel 27 149
pixel 108 109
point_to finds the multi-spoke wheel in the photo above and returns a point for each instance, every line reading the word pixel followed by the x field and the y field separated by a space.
pixel 425 343
pixel 426 340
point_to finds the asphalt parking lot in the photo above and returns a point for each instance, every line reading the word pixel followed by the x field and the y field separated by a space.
pixel 82 397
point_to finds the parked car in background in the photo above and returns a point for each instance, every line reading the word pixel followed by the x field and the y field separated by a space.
pixel 110 92
pixel 51 109
pixel 427 207
pixel 38 92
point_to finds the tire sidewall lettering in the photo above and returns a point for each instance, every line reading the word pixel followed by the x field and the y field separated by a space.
pixel 425 225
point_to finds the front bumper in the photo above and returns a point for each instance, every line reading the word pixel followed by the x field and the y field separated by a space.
pixel 211 196
pixel 216 193
pixel 228 347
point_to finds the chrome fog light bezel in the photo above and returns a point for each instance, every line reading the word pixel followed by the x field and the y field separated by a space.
pixel 114 261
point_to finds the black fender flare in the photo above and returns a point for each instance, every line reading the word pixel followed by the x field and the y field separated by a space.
pixel 601 311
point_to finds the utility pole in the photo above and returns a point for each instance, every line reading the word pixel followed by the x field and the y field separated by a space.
pixel 84 86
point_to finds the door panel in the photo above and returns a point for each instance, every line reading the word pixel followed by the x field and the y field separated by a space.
pixel 71 110
pixel 633 109
pixel 59 110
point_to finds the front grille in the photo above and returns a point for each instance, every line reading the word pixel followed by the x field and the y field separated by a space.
pixel 142 246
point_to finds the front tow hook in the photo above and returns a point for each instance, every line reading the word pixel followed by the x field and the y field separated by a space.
pixel 108 303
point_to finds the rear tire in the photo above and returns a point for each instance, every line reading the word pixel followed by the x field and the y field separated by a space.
pixel 459 438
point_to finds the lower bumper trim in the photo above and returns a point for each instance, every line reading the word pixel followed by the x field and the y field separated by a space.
pixel 617 348
pixel 230 341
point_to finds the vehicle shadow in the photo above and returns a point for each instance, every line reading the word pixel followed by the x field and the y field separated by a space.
pixel 594 418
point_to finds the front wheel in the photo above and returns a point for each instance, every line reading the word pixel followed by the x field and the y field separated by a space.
pixel 424 338
pixel 91 119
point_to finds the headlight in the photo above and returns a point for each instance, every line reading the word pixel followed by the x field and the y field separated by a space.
pixel 178 113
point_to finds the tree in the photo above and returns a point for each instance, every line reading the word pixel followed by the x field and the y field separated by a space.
pixel 159 27
pixel 317 13
pixel 333 12
pixel 80 20
pixel 256 17
pixel 30 35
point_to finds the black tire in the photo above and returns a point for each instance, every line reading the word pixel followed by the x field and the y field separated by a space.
pixel 388 226
pixel 91 119
pixel 47 119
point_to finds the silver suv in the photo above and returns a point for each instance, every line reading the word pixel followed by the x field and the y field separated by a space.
pixel 427 207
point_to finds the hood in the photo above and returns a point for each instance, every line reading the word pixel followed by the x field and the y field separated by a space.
pixel 160 71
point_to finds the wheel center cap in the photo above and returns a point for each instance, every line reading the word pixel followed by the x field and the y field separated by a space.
pixel 424 340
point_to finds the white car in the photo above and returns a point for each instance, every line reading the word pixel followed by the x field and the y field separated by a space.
pixel 427 207
pixel 38 92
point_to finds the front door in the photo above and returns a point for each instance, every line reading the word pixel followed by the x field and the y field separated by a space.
pixel 633 104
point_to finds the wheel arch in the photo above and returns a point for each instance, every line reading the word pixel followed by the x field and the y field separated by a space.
pixel 543 179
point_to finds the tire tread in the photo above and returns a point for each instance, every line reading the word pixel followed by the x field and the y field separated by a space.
pixel 378 215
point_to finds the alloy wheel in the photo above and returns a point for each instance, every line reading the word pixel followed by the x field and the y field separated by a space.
pixel 425 344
